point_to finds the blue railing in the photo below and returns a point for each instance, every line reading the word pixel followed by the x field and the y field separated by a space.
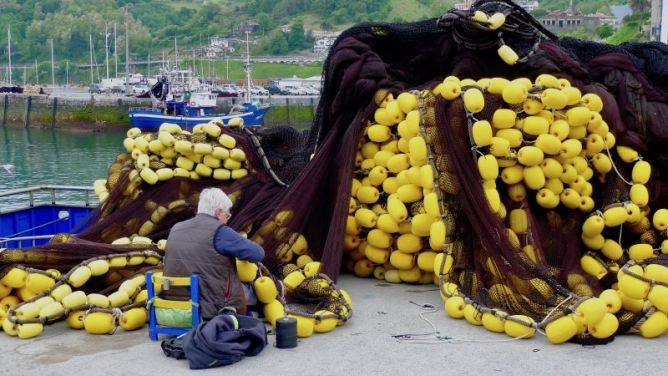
pixel 31 221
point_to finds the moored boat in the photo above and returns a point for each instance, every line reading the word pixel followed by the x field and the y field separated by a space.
pixel 187 115
pixel 46 211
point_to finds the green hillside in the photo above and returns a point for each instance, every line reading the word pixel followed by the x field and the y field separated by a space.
pixel 155 24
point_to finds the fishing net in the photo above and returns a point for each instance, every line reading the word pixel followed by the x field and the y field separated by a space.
pixel 393 181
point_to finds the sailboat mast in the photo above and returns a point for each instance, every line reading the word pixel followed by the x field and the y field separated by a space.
pixel 127 53
pixel 106 47
pixel 53 76
pixel 115 54
pixel 176 53
pixel 90 48
pixel 36 73
pixel 248 71
pixel 9 52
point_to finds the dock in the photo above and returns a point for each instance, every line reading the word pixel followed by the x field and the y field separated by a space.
pixel 363 346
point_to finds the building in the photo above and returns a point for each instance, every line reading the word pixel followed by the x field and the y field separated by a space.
pixel 659 18
pixel 295 81
pixel 465 5
pixel 251 27
pixel 568 21
pixel 321 46
pixel 218 47
pixel 528 5
pixel 286 28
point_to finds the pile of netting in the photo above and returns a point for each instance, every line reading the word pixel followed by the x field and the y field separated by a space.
pixel 522 175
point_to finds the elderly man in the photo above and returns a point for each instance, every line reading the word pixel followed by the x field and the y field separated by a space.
pixel 206 246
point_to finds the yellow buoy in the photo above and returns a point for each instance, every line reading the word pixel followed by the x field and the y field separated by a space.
pixel 98 267
pixel 658 296
pixel 133 318
pixel 247 271
pixel 273 311
pixel 9 327
pixel 312 268
pixel 98 300
pixel 27 311
pixel 51 310
pixel 561 330
pixel 305 325
pixel 492 322
pixel 455 306
pixel 472 315
pixel 632 287
pixel 517 330
pixel 265 289
pixel 294 279
pixel 74 300
pixel 99 323
pixel 75 320
pixel 38 282
pixel 29 330
pixel 119 299
pixel 15 278
pixel 80 276
pixel 655 325
pixel 60 292
pixel 325 325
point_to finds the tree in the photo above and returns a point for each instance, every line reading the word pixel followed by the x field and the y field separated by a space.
pixel 539 12
pixel 296 37
pixel 326 25
pixel 278 45
pixel 265 21
pixel 604 30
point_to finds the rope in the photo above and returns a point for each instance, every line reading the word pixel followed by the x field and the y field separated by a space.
pixel 434 337
pixel 614 166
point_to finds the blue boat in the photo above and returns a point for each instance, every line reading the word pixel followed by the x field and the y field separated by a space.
pixel 187 109
pixel 31 216
pixel 187 116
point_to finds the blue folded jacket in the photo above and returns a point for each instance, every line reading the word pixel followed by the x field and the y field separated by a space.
pixel 223 340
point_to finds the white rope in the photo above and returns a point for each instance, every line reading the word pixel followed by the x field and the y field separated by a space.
pixel 615 166
pixel 424 338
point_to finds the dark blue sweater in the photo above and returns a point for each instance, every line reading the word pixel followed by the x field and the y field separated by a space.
pixel 231 244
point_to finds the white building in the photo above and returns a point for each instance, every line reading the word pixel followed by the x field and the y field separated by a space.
pixel 218 47
pixel 659 20
pixel 528 5
pixel 295 81
pixel 321 46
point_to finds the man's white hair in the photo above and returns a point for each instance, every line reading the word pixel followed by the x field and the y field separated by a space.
pixel 211 199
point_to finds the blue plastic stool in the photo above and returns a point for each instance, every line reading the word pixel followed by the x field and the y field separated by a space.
pixel 153 328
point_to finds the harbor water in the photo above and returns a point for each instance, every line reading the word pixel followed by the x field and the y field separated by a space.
pixel 30 157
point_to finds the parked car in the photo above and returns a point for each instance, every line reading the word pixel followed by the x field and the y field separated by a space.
pixel 139 89
pixel 275 90
pixel 225 91
pixel 311 90
pixel 293 90
pixel 254 90
pixel 259 90
pixel 117 89
pixel 95 89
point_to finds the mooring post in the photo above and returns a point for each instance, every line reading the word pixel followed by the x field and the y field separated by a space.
pixel 53 113
pixel 287 110
pixel 312 108
pixel 26 115
pixel 4 113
